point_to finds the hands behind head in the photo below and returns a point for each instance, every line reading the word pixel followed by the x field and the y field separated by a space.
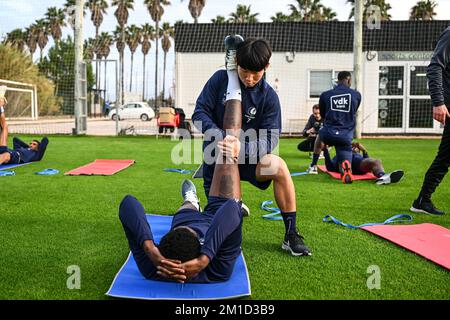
pixel 357 146
pixel 181 272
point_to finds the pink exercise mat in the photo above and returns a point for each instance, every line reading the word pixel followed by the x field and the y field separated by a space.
pixel 103 167
pixel 337 175
pixel 428 240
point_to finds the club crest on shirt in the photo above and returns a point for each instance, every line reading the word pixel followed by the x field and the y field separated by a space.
pixel 251 114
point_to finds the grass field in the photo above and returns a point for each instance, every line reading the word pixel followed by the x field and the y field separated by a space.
pixel 48 223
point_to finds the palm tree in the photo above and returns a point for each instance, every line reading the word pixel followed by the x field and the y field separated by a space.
pixel 32 35
pixel 104 42
pixel 243 15
pixel 133 38
pixel 280 17
pixel 156 10
pixel 42 37
pixel 423 10
pixel 89 49
pixel 17 38
pixel 148 34
pixel 56 20
pixel 219 20
pixel 195 8
pixel 328 14
pixel 384 8
pixel 98 9
pixel 167 33
pixel 121 15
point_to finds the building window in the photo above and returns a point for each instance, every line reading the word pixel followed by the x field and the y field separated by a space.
pixel 320 81
pixel 390 113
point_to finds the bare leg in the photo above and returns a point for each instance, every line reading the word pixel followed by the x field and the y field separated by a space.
pixel 4 131
pixel 226 179
pixel 272 167
pixel 372 165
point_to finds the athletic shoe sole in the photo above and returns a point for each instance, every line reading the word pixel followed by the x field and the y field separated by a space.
pixel 287 248
pixel 347 177
pixel 415 210
pixel 396 176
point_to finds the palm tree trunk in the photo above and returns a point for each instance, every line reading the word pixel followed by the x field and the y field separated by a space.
pixel 121 78
pixel 96 69
pixel 164 77
pixel 143 81
pixel 104 96
pixel 131 74
pixel 156 65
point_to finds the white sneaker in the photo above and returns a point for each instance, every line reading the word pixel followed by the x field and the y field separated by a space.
pixel 189 193
pixel 231 43
pixel 312 170
pixel 392 177
pixel 245 210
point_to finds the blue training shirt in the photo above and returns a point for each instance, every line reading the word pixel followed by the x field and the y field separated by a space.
pixel 338 108
pixel 260 110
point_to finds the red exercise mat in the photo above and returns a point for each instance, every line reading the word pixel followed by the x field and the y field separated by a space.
pixel 426 239
pixel 104 167
pixel 337 175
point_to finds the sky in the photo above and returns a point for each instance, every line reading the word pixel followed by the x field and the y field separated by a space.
pixel 21 13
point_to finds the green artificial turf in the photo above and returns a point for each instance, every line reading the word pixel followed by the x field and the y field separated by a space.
pixel 48 223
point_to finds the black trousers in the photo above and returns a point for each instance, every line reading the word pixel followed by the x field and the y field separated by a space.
pixel 307 145
pixel 439 167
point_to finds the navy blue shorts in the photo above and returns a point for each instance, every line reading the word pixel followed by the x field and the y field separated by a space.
pixel 15 156
pixel 247 173
pixel 356 165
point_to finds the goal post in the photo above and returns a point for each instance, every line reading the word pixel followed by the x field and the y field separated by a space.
pixel 22 100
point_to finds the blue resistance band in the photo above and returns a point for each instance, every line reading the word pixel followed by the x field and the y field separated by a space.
pixel 275 213
pixel 295 174
pixel 48 172
pixel 7 173
pixel 183 171
pixel 393 219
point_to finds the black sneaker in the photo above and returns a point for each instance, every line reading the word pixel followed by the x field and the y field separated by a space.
pixel 231 42
pixel 293 242
pixel 392 177
pixel 189 193
pixel 426 207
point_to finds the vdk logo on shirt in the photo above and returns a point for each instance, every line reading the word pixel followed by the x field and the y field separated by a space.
pixel 251 114
pixel 341 103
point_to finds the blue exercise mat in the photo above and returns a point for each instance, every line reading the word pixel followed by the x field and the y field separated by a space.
pixel 7 173
pixel 48 172
pixel 130 283
pixel 10 166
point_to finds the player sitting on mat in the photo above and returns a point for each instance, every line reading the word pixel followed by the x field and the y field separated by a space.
pixel 200 247
pixel 362 164
pixel 21 152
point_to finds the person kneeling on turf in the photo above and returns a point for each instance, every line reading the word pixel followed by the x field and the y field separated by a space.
pixel 200 247
pixel 362 164
pixel 21 152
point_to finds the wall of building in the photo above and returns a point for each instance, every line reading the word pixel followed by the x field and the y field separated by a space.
pixel 289 75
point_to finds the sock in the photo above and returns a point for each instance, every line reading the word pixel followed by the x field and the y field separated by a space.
pixel 234 87
pixel 315 159
pixel 290 219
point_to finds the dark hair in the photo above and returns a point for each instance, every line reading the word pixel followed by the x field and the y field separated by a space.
pixel 344 75
pixel 253 54
pixel 316 106
pixel 38 143
pixel 180 244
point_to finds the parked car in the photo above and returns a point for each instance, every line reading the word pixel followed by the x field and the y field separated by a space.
pixel 133 110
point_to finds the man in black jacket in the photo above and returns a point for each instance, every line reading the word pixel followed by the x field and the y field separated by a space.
pixel 438 74
pixel 311 130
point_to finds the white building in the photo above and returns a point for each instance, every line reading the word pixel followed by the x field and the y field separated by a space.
pixel 305 62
